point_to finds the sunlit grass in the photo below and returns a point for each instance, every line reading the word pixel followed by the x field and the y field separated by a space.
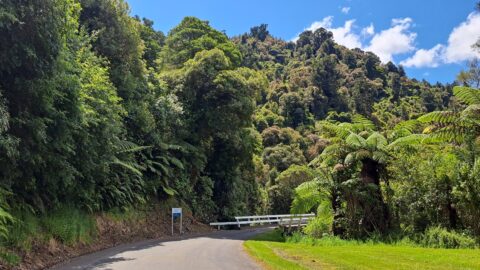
pixel 271 251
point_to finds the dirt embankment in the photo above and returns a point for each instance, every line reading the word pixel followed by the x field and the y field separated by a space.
pixel 153 224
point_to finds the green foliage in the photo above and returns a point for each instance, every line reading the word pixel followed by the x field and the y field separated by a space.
pixel 322 225
pixel 101 111
pixel 455 126
pixel 438 237
pixel 67 224
pixel 70 226
pixel 11 259
pixel 192 36
pixel 282 193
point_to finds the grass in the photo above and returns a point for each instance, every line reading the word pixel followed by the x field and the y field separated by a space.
pixel 67 225
pixel 274 253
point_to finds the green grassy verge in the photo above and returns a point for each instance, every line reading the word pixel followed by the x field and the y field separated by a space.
pixel 274 253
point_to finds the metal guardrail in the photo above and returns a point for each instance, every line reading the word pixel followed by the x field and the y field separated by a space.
pixel 282 220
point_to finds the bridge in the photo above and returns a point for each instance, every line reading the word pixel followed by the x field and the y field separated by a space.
pixel 285 220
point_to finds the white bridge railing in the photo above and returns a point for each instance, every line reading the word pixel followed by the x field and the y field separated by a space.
pixel 290 220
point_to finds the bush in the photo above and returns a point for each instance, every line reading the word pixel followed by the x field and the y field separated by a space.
pixel 318 227
pixel 438 237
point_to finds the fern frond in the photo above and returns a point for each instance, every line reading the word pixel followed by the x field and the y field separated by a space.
pixel 307 196
pixel 467 95
pixel 406 128
pixel 376 141
pixel 175 161
pixel 360 123
pixel 129 147
pixel 355 140
pixel 380 156
pixel 412 139
pixel 129 166
pixel 472 113
pixel 440 117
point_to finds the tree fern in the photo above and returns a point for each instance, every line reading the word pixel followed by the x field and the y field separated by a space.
pixel 452 126
pixel 308 196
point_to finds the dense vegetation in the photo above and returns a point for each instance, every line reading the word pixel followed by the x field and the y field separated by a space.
pixel 100 111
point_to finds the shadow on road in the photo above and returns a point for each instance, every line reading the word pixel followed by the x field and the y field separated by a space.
pixel 105 258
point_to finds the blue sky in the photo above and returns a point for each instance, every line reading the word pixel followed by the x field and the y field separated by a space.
pixel 431 38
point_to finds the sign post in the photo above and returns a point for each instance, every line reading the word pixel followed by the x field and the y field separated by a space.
pixel 177 213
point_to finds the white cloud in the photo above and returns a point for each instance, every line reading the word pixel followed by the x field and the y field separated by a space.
pixel 458 49
pixel 369 30
pixel 397 39
pixel 325 23
pixel 343 35
pixel 345 10
pixel 400 39
pixel 462 38
pixel 426 58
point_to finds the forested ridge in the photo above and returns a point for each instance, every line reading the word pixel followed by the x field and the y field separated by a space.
pixel 99 111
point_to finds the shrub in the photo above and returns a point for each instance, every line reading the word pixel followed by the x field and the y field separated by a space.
pixel 438 237
pixel 318 227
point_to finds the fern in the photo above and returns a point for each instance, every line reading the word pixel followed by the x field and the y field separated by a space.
pixel 355 140
pixel 308 195
pixel 360 122
pixel 467 95
pixel 376 140
pixel 439 117
pixel 129 147
pixel 128 166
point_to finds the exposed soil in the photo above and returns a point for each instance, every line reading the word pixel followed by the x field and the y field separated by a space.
pixel 156 224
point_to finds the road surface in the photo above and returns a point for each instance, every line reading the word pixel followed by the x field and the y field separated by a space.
pixel 219 250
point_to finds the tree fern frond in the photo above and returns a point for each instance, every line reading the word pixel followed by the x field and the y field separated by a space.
pixel 170 191
pixel 362 123
pixel 441 117
pixel 175 161
pixel 406 128
pixel 333 149
pixel 129 166
pixel 467 95
pixel 129 147
pixel 408 140
pixel 307 196
pixel 380 156
pixel 355 140
pixel 376 140
pixel 362 154
pixel 472 112
pixel 340 130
